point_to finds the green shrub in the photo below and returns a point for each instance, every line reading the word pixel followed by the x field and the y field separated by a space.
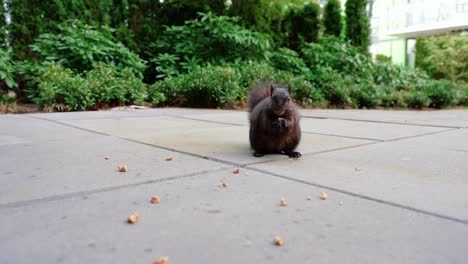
pixel 227 85
pixel 334 87
pixel 394 98
pixel 380 58
pixel 208 86
pixel 396 76
pixel 78 46
pixel 304 92
pixel 209 39
pixel 366 95
pixel 7 69
pixel 443 56
pixel 288 60
pixel 61 89
pixel 109 86
pixel 338 55
pixel 418 99
pixel 463 96
pixel 440 92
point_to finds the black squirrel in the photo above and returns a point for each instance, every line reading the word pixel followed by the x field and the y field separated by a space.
pixel 274 121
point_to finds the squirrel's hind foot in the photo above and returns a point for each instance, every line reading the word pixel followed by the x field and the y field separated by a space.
pixel 258 154
pixel 293 154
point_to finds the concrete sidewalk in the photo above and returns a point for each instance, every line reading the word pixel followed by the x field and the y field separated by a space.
pixel 397 185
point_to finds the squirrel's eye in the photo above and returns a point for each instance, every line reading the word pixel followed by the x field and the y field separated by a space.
pixel 289 98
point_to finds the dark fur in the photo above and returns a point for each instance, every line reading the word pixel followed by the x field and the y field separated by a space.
pixel 274 121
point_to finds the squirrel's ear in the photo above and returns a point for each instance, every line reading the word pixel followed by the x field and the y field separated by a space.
pixel 290 90
pixel 271 89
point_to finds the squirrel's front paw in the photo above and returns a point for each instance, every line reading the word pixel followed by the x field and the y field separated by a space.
pixel 284 123
pixel 276 124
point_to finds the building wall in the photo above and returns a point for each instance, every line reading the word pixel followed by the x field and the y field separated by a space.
pixel 393 22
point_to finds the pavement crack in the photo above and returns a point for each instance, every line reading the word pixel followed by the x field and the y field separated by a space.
pixel 343 136
pixel 422 135
pixel 207 121
pixel 365 197
pixel 103 190
pixel 143 143
pixel 380 122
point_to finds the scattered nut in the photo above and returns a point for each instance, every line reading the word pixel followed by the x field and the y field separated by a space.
pixel 283 202
pixel 162 260
pixel 106 158
pixel 279 241
pixel 357 169
pixel 236 170
pixel 155 199
pixel 323 195
pixel 223 184
pixel 122 168
pixel 309 198
pixel 133 218
pixel 341 203
pixel 168 158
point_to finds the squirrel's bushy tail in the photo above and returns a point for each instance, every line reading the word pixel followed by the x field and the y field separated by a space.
pixel 257 93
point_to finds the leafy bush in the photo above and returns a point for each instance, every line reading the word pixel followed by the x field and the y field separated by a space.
pixel 109 86
pixel 443 56
pixel 463 96
pixel 338 55
pixel 418 99
pixel 393 98
pixel 204 86
pixel 440 92
pixel 227 85
pixel 288 60
pixel 334 87
pixel 367 95
pixel 395 76
pixel 61 89
pixel 7 69
pixel 209 39
pixel 380 58
pixel 78 46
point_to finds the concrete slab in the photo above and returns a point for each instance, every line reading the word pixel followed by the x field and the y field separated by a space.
pixel 451 118
pixel 198 222
pixel 427 173
pixel 124 113
pixel 223 117
pixel 358 129
pixel 218 141
pixel 21 129
pixel 41 158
